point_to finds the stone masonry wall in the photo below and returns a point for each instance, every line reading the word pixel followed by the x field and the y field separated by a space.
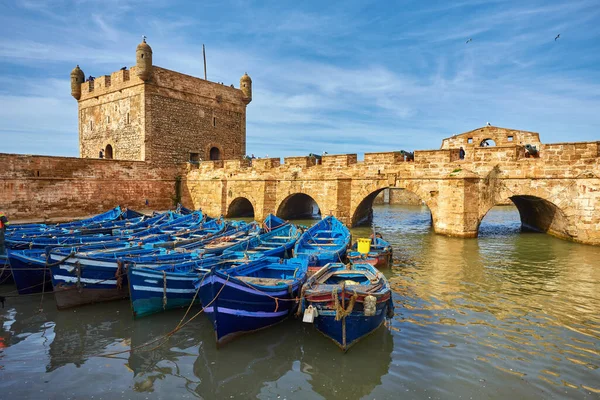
pixel 40 187
pixel 111 111
pixel 190 115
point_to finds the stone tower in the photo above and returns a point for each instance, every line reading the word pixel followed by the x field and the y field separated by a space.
pixel 77 78
pixel 143 57
pixel 153 114
pixel 246 87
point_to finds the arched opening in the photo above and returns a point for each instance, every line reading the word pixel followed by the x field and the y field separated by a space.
pixel 529 214
pixel 401 201
pixel 108 153
pixel 298 206
pixel 215 154
pixel 487 143
pixel 240 207
pixel 540 215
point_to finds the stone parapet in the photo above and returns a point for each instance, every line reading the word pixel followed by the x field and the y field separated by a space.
pixel 338 161
pixel 303 162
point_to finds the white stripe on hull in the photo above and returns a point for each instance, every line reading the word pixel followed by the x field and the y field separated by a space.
pixel 161 290
pixel 73 279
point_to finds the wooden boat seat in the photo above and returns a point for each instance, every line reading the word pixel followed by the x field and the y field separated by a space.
pixel 274 243
pixel 281 237
pixel 263 248
pixel 321 244
pixel 266 281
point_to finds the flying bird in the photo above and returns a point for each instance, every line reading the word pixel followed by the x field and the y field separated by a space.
pixel 470 40
pixel 557 37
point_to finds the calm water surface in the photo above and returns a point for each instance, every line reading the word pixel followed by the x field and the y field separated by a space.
pixel 506 315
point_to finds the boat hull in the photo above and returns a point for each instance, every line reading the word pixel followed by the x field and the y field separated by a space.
pixel 350 329
pixel 149 293
pixel 80 284
pixel 236 308
pixel 29 272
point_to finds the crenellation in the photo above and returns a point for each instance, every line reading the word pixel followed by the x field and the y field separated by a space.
pixel 384 158
pixel 303 162
pixel 339 161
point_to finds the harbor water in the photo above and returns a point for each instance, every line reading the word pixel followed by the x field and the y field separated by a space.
pixel 506 315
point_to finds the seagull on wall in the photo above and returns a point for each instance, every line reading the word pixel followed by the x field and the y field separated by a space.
pixel 144 38
pixel 470 40
pixel 557 37
pixel 488 124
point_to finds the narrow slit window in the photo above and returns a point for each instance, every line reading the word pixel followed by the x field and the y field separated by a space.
pixel 214 121
pixel 127 118
pixel 91 125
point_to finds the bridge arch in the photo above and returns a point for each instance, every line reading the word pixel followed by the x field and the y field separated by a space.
pixel 240 207
pixel 538 212
pixel 362 213
pixel 298 206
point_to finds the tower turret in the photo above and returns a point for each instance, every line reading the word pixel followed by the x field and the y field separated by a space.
pixel 143 55
pixel 77 78
pixel 246 87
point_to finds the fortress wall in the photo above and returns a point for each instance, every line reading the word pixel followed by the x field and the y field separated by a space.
pixel 566 152
pixel 40 187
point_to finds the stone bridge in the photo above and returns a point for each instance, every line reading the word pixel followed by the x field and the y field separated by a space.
pixel 555 191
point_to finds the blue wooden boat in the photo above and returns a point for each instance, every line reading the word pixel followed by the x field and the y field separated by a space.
pixel 29 271
pixel 273 222
pixel 251 296
pixel 94 277
pixel 106 216
pixel 278 242
pixel 350 302
pixel 28 266
pixel 157 288
pixel 379 255
pixel 324 242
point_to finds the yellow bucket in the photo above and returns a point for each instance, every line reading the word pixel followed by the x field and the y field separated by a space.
pixel 364 245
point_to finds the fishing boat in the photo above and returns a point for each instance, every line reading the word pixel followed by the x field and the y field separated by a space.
pixel 347 302
pixel 251 296
pixel 279 242
pixel 374 251
pixel 110 215
pixel 161 287
pixel 97 276
pixel 325 242
pixel 29 271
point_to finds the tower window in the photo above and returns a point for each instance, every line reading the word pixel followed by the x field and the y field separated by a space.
pixel 214 121
pixel 470 140
pixel 91 125
pixel 510 138
pixel 194 158
pixel 108 119
pixel 127 118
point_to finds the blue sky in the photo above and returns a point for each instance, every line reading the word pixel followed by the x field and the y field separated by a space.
pixel 342 77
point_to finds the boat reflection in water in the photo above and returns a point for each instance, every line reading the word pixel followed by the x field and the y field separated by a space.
pixel 354 374
pixel 241 368
pixel 79 336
